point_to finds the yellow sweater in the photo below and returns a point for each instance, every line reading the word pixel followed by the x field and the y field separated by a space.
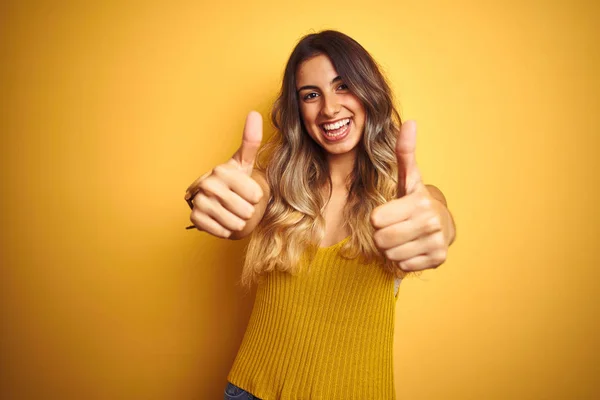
pixel 326 333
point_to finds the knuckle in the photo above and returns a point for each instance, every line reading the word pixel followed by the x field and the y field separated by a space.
pixel 194 201
pixel 239 226
pixel 247 211
pixel 195 191
pixel 223 233
pixel 207 185
pixel 390 254
pixel 439 242
pixel 439 257
pixel 254 190
pixel 425 202
pixel 220 170
pixel 196 218
pixel 194 188
pixel 207 207
pixel 378 239
pixel 404 266
pixel 200 202
pixel 434 223
pixel 259 193
pixel 255 197
pixel 374 217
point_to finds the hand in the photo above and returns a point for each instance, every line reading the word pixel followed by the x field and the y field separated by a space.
pixel 412 230
pixel 224 199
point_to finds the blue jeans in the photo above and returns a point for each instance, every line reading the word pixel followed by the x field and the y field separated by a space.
pixel 233 392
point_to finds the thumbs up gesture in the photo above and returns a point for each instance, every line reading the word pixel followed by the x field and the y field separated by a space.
pixel 224 200
pixel 415 229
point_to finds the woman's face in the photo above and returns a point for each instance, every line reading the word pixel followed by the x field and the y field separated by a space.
pixel 333 116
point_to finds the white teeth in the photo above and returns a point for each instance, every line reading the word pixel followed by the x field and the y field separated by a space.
pixel 336 129
pixel 336 125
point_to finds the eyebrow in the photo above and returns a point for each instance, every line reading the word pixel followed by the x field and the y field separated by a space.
pixel 311 87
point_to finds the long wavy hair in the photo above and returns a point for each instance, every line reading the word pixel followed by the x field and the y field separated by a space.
pixel 297 171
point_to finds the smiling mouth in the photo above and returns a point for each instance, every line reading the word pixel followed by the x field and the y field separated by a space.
pixel 337 130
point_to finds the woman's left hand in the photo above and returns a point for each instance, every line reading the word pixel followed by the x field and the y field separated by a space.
pixel 414 230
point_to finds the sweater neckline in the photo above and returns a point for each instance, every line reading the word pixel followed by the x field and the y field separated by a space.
pixel 334 246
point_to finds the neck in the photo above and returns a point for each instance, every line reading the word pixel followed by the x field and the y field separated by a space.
pixel 340 167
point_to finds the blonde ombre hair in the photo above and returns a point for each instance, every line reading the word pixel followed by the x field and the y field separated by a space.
pixel 297 172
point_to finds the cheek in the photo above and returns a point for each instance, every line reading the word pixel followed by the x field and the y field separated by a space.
pixel 308 120
pixel 360 110
pixel 309 117
pixel 308 114
pixel 362 117
pixel 355 105
pixel 303 114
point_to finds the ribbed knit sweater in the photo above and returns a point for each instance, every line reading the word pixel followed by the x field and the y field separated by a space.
pixel 325 333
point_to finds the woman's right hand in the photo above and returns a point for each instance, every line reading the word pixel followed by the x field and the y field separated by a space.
pixel 225 200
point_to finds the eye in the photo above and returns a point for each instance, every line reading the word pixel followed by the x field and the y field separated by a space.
pixel 309 96
pixel 343 86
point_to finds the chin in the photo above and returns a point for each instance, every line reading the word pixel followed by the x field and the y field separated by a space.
pixel 342 148
pixel 347 145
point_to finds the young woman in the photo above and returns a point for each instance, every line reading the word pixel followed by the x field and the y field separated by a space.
pixel 338 214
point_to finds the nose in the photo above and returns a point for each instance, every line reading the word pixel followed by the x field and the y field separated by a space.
pixel 331 106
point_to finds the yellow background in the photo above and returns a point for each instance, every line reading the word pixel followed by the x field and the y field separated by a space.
pixel 109 110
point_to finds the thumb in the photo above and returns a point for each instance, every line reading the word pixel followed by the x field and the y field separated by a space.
pixel 251 140
pixel 409 176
